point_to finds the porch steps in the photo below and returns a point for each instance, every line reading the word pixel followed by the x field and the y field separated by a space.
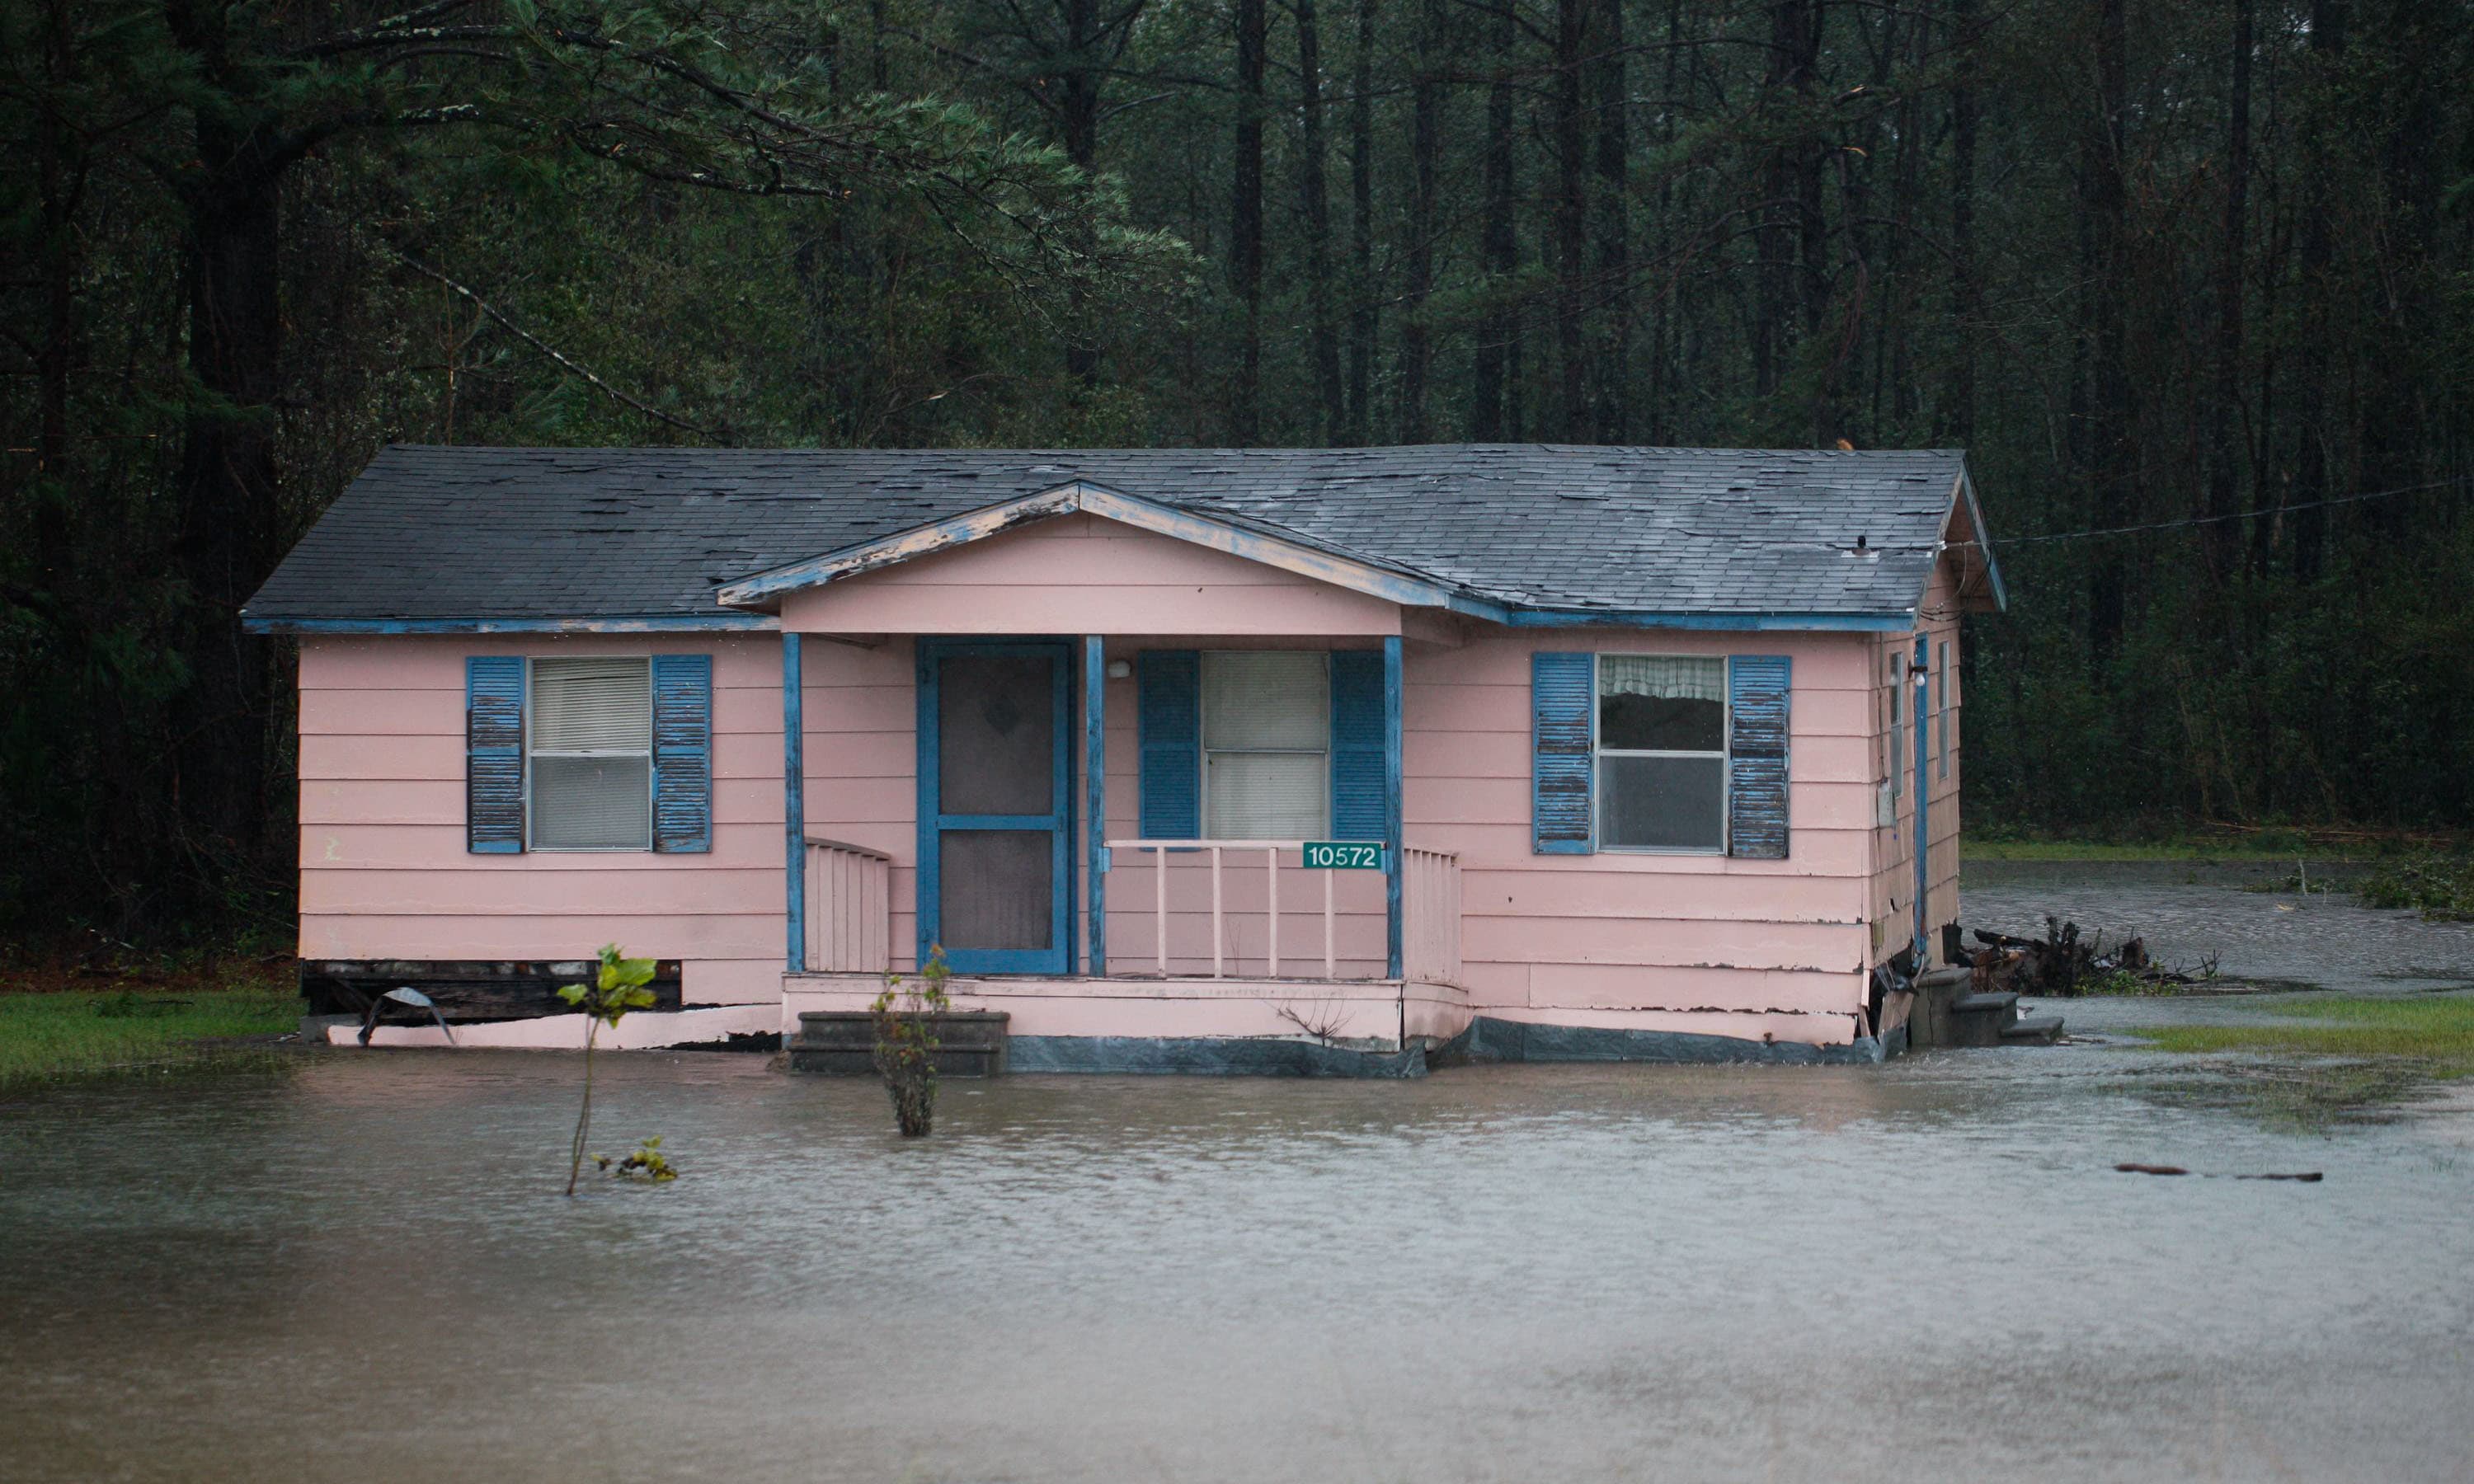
pixel 1945 1014
pixel 842 1042
pixel 2032 1031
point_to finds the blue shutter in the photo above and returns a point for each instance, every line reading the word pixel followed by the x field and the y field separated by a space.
pixel 1357 744
pixel 683 752
pixel 1564 696
pixel 1170 743
pixel 1758 687
pixel 494 754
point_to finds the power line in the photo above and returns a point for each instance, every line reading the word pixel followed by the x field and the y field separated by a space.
pixel 2209 520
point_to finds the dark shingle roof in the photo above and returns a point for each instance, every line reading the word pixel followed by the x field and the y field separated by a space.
pixel 444 534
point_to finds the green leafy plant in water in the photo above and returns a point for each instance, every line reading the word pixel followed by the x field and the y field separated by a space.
pixel 616 988
pixel 2122 981
pixel 905 1042
pixel 648 1163
pixel 2440 887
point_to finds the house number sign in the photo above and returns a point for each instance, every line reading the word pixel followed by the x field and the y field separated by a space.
pixel 1344 855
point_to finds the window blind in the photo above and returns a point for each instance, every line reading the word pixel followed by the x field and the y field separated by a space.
pixel 1266 741
pixel 588 706
pixel 591 765
pixel 1277 700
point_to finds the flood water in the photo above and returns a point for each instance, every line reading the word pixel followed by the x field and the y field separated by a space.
pixel 351 1266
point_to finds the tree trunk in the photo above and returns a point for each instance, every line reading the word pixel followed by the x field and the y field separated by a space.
pixel 2311 457
pixel 1775 240
pixel 1812 233
pixel 60 168
pixel 2103 200
pixel 2220 538
pixel 1572 219
pixel 1957 416
pixel 225 494
pixel 1331 412
pixel 1664 306
pixel 1246 226
pixel 1425 143
pixel 1364 314
pixel 1498 243
pixel 1613 354
pixel 1906 187
pixel 1079 95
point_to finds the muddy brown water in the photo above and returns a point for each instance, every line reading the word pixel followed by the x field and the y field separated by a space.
pixel 355 1267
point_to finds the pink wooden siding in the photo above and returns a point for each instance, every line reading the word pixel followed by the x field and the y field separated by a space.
pixel 1706 943
pixel 1893 877
pixel 1669 942
pixel 1085 574
pixel 384 872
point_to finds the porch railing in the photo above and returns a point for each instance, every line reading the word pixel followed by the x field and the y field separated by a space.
pixel 1430 916
pixel 850 908
pixel 1429 906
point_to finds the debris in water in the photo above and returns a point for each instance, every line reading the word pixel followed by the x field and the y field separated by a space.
pixel 2308 1177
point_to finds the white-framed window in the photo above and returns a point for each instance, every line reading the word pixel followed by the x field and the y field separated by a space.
pixel 1266 743
pixel 1898 723
pixel 1661 753
pixel 1941 706
pixel 589 754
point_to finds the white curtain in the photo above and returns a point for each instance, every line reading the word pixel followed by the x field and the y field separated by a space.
pixel 1658 674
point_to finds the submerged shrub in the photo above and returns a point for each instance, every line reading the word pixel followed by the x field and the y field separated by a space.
pixel 905 1042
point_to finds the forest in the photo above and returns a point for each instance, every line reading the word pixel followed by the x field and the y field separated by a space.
pixel 2191 280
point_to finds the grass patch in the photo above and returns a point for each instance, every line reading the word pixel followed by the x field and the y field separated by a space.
pixel 119 1025
pixel 2434 1031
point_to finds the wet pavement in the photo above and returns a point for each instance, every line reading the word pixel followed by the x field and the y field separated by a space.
pixel 347 1266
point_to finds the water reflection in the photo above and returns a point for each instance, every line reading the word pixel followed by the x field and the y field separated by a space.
pixel 362 1270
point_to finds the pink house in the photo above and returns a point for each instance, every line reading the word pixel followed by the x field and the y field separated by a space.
pixel 1276 760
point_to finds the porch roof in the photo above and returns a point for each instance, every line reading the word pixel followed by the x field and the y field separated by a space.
pixel 453 538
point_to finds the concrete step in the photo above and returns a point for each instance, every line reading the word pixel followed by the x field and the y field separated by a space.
pixel 2032 1031
pixel 842 1042
pixel 1980 1020
pixel 1944 978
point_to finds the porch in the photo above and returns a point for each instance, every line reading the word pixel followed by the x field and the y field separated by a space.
pixel 1039 866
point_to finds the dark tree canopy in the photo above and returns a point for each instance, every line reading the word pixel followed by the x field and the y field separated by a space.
pixel 2202 268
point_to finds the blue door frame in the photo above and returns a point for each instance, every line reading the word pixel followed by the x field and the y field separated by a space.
pixel 1057 958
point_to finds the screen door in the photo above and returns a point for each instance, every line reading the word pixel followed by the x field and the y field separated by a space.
pixel 994 800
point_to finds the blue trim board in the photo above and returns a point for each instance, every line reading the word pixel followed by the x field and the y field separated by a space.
pixel 1919 673
pixel 673 623
pixel 1057 958
pixel 1608 618
pixel 1095 779
pixel 1289 553
pixel 794 803
pixel 1983 541
pixel 1392 804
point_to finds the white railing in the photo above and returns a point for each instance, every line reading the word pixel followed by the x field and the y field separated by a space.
pixel 850 908
pixel 1430 910
pixel 1430 916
